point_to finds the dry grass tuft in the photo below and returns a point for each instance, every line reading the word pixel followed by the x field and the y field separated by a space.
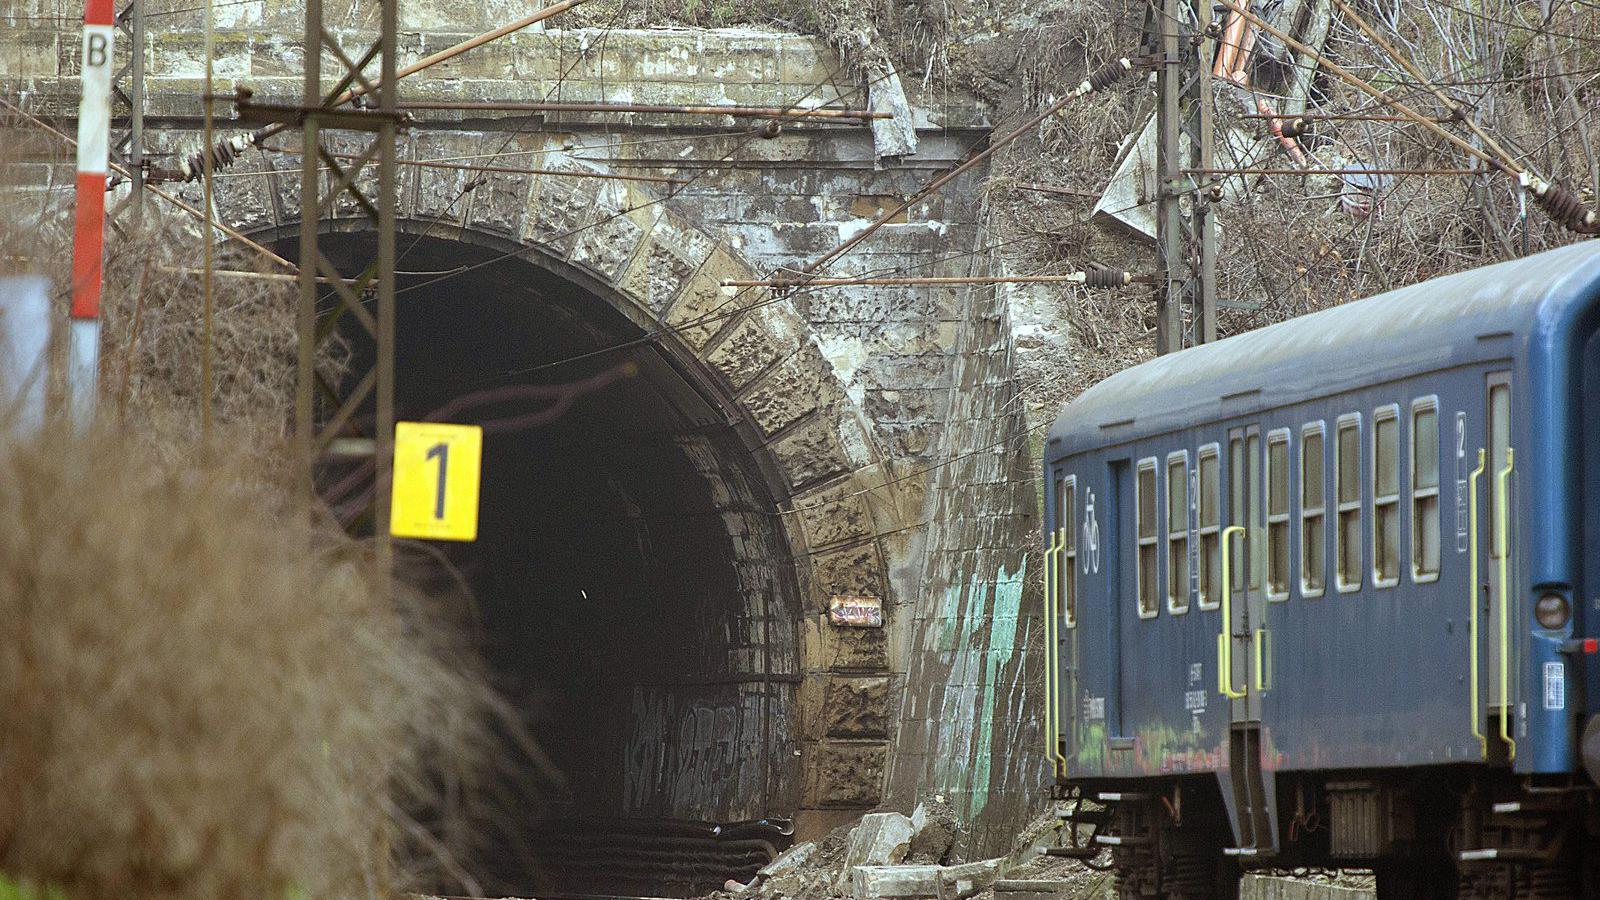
pixel 209 697
pixel 203 699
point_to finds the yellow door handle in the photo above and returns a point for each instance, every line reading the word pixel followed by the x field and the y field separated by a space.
pixel 1052 637
pixel 1502 529
pixel 1472 604
pixel 1050 649
pixel 1225 639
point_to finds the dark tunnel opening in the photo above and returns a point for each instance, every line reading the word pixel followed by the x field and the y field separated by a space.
pixel 634 584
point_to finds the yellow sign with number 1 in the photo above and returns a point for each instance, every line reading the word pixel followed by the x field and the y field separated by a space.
pixel 436 470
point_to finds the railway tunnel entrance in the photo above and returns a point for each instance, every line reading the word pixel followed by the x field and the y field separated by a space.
pixel 635 587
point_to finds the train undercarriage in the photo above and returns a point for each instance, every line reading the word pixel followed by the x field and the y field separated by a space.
pixel 1444 835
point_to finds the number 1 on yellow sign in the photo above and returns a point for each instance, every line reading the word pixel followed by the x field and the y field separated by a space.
pixel 436 476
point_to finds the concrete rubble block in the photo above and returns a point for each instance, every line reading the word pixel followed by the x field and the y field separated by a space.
pixel 30 52
pixel 492 60
pixel 937 827
pixel 924 881
pixel 965 880
pixel 1263 887
pixel 789 861
pixel 882 882
pixel 879 839
pixel 1033 889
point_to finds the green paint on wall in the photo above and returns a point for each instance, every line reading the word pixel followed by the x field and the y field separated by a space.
pixel 1002 646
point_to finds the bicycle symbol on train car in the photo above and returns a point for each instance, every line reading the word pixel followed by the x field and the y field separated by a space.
pixel 1091 536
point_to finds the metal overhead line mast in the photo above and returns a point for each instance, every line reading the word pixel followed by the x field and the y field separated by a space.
pixel 379 120
pixel 127 90
pixel 1186 231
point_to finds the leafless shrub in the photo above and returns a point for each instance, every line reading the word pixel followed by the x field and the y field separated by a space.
pixel 202 697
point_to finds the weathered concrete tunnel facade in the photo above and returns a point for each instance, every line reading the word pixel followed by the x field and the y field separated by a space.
pixel 854 441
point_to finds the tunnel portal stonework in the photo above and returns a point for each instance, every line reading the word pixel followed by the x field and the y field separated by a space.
pixel 886 418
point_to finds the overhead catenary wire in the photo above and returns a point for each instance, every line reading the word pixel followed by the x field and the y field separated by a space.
pixel 1101 78
pixel 1099 277
pixel 188 209
pixel 223 153
pixel 1556 200
pixel 509 170
pixel 734 111
pixel 750 138
pixel 726 311
pixel 1290 170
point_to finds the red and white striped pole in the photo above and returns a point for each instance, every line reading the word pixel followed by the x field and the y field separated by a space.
pixel 94 137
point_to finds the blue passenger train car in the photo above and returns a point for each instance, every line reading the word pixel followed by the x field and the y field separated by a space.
pixel 1326 594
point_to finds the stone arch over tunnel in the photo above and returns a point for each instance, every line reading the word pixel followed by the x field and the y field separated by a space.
pixel 727 491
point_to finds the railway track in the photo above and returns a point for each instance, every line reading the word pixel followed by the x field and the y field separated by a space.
pixel 597 859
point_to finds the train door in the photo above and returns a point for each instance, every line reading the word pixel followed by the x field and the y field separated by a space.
pixel 1119 531
pixel 1245 611
pixel 1492 488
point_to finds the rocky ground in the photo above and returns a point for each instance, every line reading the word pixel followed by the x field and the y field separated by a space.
pixel 892 855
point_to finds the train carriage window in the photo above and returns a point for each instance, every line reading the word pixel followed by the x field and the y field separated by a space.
pixel 1278 515
pixel 1067 520
pixel 1252 443
pixel 1347 494
pixel 1236 492
pixel 1178 532
pixel 1244 497
pixel 1499 442
pixel 1386 496
pixel 1313 519
pixel 1146 524
pixel 1210 528
pixel 1425 489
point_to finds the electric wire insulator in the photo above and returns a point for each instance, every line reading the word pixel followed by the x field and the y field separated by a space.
pixel 1108 74
pixel 1102 277
pixel 1566 208
pixel 222 154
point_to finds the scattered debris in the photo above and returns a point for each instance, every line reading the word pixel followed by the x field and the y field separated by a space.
pixel 923 882
pixel 936 830
pixel 1268 887
pixel 789 861
pixel 880 839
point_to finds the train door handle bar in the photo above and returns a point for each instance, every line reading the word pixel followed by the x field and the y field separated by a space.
pixel 1052 599
pixel 1472 604
pixel 1502 527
